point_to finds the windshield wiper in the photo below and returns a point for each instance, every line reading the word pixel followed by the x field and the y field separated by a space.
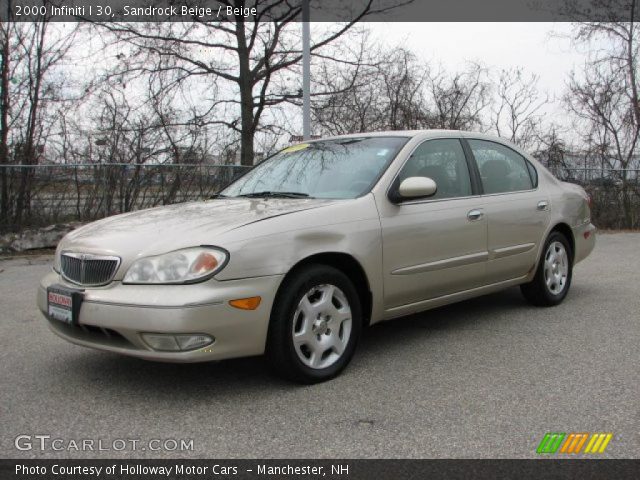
pixel 350 141
pixel 271 194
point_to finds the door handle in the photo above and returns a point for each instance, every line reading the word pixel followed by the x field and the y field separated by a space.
pixel 543 204
pixel 475 214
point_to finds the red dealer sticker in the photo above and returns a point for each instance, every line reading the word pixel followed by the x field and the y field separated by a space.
pixel 60 300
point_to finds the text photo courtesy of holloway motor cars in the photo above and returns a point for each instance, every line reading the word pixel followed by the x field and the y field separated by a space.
pixel 305 238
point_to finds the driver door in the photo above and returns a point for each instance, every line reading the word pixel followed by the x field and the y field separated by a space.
pixel 435 246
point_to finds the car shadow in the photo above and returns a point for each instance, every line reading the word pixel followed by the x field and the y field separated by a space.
pixel 105 370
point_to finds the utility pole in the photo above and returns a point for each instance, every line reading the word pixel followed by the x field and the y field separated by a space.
pixel 306 72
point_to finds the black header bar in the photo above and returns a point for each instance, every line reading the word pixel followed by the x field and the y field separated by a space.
pixel 132 469
pixel 321 10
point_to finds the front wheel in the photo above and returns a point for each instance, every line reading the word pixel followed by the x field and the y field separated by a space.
pixel 315 325
pixel 553 276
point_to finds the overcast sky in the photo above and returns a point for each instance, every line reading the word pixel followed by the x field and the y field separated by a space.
pixel 537 46
pixel 541 48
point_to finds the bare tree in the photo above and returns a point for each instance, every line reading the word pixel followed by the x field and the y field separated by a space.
pixel 517 110
pixel 5 72
pixel 389 89
pixel 380 89
pixel 251 58
pixel 604 98
pixel 31 85
pixel 458 99
pixel 552 152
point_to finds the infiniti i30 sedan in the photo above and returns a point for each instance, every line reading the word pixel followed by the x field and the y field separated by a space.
pixel 297 256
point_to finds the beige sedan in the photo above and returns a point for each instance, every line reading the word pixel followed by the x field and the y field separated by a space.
pixel 319 241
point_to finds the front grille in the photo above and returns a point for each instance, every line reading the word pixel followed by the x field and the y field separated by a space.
pixel 89 270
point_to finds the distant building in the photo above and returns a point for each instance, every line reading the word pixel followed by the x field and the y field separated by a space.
pixel 300 138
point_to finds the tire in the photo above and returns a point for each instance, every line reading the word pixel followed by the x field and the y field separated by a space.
pixel 553 276
pixel 319 305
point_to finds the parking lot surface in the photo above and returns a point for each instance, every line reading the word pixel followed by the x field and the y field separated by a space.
pixel 484 378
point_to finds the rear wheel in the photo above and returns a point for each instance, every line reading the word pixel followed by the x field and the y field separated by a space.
pixel 553 276
pixel 315 325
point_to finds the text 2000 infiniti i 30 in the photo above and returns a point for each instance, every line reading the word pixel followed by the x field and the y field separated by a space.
pixel 295 257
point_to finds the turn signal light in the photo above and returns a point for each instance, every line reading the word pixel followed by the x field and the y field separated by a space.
pixel 250 303
pixel 205 263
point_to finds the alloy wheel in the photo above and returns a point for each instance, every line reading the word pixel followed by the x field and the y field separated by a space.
pixel 322 326
pixel 556 268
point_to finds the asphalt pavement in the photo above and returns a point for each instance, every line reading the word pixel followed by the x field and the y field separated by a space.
pixel 486 378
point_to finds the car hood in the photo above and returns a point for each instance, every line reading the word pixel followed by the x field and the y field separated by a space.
pixel 162 229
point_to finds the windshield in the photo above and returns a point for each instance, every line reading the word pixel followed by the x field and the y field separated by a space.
pixel 341 168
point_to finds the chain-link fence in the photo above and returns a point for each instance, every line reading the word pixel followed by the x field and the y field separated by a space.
pixel 596 176
pixel 615 194
pixel 38 195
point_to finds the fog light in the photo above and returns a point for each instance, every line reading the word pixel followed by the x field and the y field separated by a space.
pixel 176 343
pixel 191 342
pixel 166 343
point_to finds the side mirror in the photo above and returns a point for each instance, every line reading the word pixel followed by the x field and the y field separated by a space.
pixel 414 187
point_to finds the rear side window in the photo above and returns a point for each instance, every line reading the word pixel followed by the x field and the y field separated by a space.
pixel 501 169
pixel 444 162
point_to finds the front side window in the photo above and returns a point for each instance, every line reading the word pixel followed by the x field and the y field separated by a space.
pixel 340 168
pixel 501 169
pixel 444 162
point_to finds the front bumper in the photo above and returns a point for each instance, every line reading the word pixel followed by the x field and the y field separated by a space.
pixel 113 317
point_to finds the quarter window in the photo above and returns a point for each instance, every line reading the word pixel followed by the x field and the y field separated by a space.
pixel 501 168
pixel 444 162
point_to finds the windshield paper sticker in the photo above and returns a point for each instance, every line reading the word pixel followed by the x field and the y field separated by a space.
pixel 295 148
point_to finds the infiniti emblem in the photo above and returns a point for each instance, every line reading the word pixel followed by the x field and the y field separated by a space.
pixel 83 267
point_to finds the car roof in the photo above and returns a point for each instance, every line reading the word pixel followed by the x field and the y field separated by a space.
pixel 413 133
pixel 425 134
pixel 392 133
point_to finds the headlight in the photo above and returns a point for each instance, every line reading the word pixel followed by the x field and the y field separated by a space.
pixel 182 266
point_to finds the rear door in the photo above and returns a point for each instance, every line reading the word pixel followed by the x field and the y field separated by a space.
pixel 517 210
